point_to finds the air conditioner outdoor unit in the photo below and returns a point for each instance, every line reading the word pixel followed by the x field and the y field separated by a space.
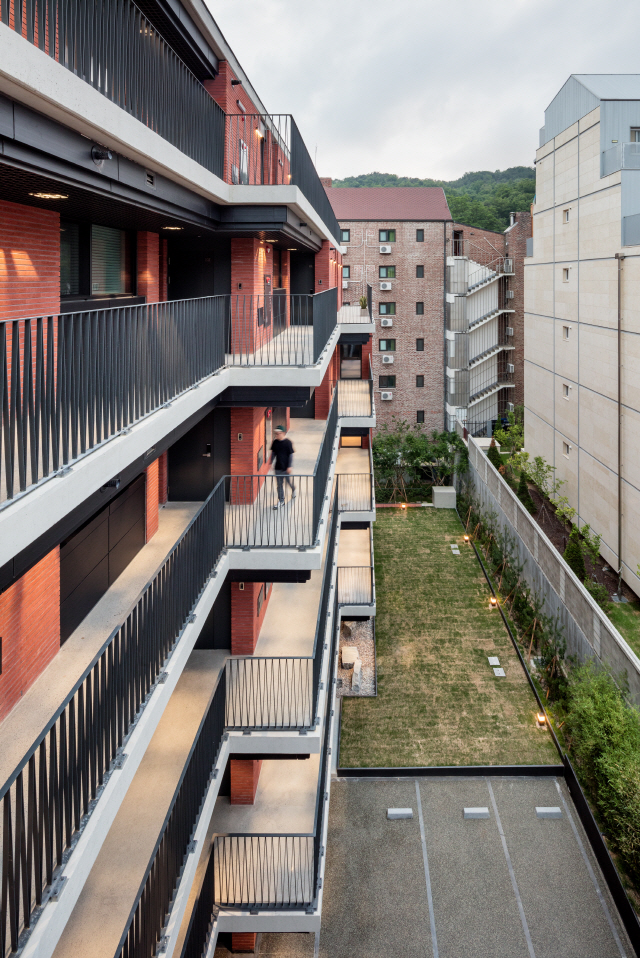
pixel 387 359
pixel 345 284
pixel 386 322
pixel 385 285
pixel 511 368
pixel 508 265
pixel 510 407
pixel 509 330
pixel 385 249
pixel 509 294
pixel 386 396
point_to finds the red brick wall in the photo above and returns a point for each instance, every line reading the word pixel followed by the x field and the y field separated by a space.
pixel 152 474
pixel 163 478
pixel 407 290
pixel 164 271
pixel 244 780
pixel 324 392
pixel 245 621
pixel 29 261
pixel 516 246
pixel 149 266
pixel 367 350
pixel 243 941
pixel 30 628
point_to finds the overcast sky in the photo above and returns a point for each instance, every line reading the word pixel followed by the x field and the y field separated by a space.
pixel 423 88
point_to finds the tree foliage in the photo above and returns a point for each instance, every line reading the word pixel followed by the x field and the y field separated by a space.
pixel 511 436
pixel 405 456
pixel 573 554
pixel 483 199
pixel 494 456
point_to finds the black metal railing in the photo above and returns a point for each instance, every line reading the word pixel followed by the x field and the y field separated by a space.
pixel 355 398
pixel 115 49
pixel 370 301
pixel 355 585
pixel 355 492
pixel 48 794
pixel 266 148
pixel 151 908
pixel 323 462
pixel 492 381
pixel 72 381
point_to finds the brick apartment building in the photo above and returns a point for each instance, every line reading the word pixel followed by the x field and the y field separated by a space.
pixel 169 296
pixel 444 342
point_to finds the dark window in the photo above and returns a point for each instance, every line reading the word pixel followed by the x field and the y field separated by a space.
pixel 387 309
pixel 458 243
pixel 387 272
pixel 387 345
pixel 387 382
pixel 419 380
pixel 420 345
pixel 111 252
pixel 420 309
pixel 345 236
pixel 69 259
pixel 419 236
pixel 420 272
pixel 346 272
pixel 261 597
pixel 387 236
pixel 420 415
pixel 345 303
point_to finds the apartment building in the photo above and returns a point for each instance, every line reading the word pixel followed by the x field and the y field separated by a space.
pixel 581 315
pixel 395 241
pixel 448 304
pixel 169 608
pixel 485 324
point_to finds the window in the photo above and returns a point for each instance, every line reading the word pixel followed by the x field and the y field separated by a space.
pixel 566 449
pixel 419 236
pixel 635 134
pixel 387 236
pixel 565 390
pixel 387 382
pixel 565 216
pixel 458 243
pixel 420 309
pixel 565 332
pixel 388 345
pixel 565 275
pixel 420 415
pixel 111 256
pixel 346 272
pixel 419 272
pixel 345 236
pixel 345 303
pixel 419 381
pixel 387 309
pixel 69 259
pixel 387 272
pixel 420 345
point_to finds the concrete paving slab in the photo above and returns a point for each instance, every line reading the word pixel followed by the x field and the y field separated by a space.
pixel 352 460
pixel 24 723
pixel 476 813
pixel 354 548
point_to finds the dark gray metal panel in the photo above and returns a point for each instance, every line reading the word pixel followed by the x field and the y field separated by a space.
pixel 216 631
pixel 616 119
pixel 265 396
pixel 50 137
pixel 6 117
pixel 571 103
pixel 132 174
pixel 355 338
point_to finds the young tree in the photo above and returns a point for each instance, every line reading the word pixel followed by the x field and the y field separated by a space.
pixel 494 456
pixel 511 437
pixel 524 495
pixel 573 554
pixel 406 455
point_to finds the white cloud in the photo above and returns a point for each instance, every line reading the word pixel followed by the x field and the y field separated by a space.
pixel 421 88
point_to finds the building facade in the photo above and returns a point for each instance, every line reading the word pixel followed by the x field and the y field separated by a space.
pixel 581 317
pixel 169 608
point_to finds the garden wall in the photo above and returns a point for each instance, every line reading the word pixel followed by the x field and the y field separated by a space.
pixel 587 629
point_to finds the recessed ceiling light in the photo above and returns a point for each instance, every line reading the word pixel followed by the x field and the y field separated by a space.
pixel 292 249
pixel 171 227
pixel 50 196
pixel 271 241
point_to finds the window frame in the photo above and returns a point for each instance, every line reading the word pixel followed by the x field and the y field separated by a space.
pixel 566 330
pixel 420 416
pixel 390 235
pixel 420 344
pixel 382 385
pixel 420 275
pixel 420 236
pixel 387 309
pixel 420 309
pixel 419 382
pixel 386 275
pixel 343 238
pixel 346 271
pixel 385 348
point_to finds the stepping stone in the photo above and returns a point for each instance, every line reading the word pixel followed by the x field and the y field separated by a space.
pixel 394 814
pixel 356 678
pixel 494 660
pixel 476 813
pixel 349 656
pixel 499 673
pixel 548 812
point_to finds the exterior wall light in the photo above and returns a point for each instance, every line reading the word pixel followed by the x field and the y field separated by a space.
pixel 50 196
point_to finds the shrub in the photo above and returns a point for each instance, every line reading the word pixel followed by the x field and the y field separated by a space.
pixel 573 554
pixel 524 495
pixel 599 592
pixel 494 456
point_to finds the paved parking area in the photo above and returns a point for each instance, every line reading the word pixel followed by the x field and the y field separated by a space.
pixel 440 886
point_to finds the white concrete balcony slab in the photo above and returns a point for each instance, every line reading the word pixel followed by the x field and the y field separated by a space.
pixel 356 581
pixel 354 475
pixel 356 407
pixel 352 319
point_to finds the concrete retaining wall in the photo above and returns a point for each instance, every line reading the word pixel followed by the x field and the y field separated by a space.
pixel 587 629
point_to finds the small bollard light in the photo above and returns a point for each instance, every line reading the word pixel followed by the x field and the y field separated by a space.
pixel 404 505
pixel 466 539
pixel 542 719
pixel 493 602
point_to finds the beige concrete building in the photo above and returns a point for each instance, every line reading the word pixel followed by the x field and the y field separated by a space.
pixel 582 309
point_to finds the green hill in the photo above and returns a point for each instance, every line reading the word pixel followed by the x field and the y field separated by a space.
pixel 483 199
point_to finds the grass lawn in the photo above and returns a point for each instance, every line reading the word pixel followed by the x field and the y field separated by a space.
pixel 438 701
pixel 626 618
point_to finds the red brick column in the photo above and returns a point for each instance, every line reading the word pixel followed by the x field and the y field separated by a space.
pixel 149 266
pixel 249 423
pixel 324 392
pixel 245 620
pixel 251 261
pixel 30 628
pixel 366 356
pixel 163 478
pixel 244 780
pixel 164 271
pixel 243 941
pixel 152 474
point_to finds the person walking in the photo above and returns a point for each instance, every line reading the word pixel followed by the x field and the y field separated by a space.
pixel 282 459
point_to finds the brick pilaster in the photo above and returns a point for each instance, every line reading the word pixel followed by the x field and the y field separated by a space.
pixel 152 490
pixel 245 774
pixel 148 261
pixel 243 941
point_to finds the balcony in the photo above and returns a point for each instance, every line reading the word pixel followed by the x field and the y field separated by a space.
pixel 354 475
pixel 76 380
pixel 622 156
pixel 355 402
pixel 356 576
pixel 354 319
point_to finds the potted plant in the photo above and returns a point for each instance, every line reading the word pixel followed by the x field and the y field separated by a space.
pixel 364 306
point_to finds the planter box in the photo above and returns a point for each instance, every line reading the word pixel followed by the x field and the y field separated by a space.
pixel 444 497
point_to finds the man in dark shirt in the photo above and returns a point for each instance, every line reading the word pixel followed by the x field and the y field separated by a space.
pixel 282 458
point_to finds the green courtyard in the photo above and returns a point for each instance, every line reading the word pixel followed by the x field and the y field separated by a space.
pixel 439 702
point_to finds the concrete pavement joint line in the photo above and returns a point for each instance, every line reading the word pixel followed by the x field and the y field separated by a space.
pixel 512 875
pixel 592 874
pixel 432 918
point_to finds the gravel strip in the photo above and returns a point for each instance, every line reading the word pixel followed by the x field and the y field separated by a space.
pixel 362 638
